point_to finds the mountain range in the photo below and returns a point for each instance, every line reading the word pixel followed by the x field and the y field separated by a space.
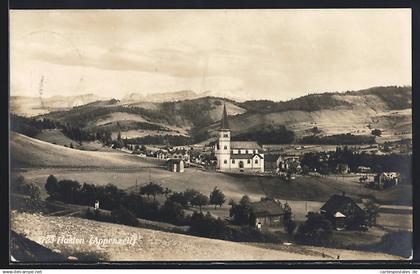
pixel 196 115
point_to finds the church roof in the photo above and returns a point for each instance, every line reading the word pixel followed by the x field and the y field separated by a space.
pixel 244 156
pixel 224 122
pixel 244 145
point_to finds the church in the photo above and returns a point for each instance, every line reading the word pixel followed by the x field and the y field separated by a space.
pixel 236 156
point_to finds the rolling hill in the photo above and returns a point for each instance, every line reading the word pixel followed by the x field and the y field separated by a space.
pixel 355 112
pixel 29 152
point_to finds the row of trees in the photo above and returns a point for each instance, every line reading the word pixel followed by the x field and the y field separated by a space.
pixel 112 198
pixel 327 162
pixel 338 139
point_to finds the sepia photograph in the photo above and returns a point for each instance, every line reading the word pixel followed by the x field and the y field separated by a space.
pixel 210 135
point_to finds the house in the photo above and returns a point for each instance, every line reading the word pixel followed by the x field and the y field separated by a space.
pixel 175 165
pixel 162 154
pixel 287 163
pixel 267 212
pixel 282 164
pixel 343 212
pixel 386 179
pixel 179 153
pixel 237 156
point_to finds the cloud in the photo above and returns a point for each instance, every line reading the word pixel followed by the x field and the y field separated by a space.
pixel 275 54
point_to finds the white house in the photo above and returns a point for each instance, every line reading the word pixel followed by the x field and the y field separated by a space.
pixel 240 156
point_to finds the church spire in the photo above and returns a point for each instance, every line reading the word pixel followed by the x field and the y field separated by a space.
pixel 225 123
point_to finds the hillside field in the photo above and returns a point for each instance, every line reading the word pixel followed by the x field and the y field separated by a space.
pixel 30 152
pixel 151 245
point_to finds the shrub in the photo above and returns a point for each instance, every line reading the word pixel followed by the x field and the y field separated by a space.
pixel 172 212
pixel 242 213
pixel 200 200
pixel 376 132
pixel 316 230
pixel 179 197
pixel 207 226
pixel 52 185
pixel 124 216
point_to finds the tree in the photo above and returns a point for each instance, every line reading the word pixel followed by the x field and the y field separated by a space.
pixel 178 197
pixel 34 202
pixel 189 194
pixel 52 185
pixel 199 200
pixel 242 213
pixel 67 190
pixel 305 170
pixel 371 213
pixel 207 226
pixel 315 230
pixel 172 212
pixel 376 132
pixel 166 192
pixel 124 216
pixel 289 224
pixel 217 198
pixel 151 189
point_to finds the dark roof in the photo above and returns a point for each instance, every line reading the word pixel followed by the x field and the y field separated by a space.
pixel 336 202
pixel 244 156
pixel 267 208
pixel 244 145
pixel 224 124
pixel 271 157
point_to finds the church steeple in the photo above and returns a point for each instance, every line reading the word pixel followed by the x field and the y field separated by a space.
pixel 224 123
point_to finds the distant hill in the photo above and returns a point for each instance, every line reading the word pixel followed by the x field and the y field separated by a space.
pixel 32 106
pixel 355 112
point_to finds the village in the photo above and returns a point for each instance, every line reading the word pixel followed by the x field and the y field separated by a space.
pixel 330 196
pixel 286 163
pixel 204 136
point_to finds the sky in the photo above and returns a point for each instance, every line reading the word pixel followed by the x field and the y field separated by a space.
pixel 243 54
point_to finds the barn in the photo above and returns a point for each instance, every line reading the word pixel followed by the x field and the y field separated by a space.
pixel 267 213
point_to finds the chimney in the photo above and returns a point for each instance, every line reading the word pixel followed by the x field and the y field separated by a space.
pixel 344 193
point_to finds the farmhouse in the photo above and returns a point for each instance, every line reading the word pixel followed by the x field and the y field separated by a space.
pixel 282 163
pixel 175 165
pixel 242 156
pixel 342 211
pixel 267 213
pixel 179 154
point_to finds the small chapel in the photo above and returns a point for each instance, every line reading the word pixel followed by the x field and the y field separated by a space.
pixel 236 156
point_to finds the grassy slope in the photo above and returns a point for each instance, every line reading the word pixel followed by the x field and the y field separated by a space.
pixel 29 152
pixel 153 245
